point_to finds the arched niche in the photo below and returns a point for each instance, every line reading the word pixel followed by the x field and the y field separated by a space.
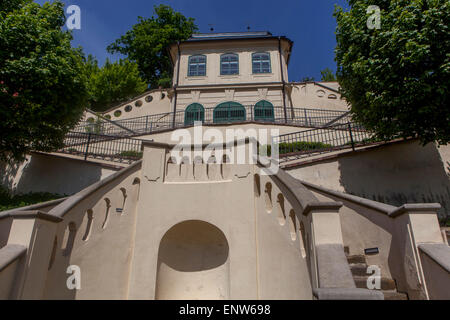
pixel 193 263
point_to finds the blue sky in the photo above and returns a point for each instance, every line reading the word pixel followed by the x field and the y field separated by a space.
pixel 309 23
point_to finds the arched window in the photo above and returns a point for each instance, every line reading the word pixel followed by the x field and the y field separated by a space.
pixel 197 66
pixel 261 62
pixel 194 112
pixel 229 64
pixel 229 112
pixel 264 111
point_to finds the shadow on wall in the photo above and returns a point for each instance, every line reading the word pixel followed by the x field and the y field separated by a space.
pixel 8 173
pixel 44 173
pixel 448 168
pixel 193 263
pixel 397 174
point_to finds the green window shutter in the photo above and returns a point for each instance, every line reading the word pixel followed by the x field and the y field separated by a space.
pixel 264 111
pixel 194 112
pixel 229 112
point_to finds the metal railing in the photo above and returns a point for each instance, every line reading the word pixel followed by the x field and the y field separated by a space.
pixel 111 140
pixel 110 148
pixel 297 145
pixel 302 117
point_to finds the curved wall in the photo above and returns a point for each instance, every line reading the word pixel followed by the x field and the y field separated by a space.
pixel 193 263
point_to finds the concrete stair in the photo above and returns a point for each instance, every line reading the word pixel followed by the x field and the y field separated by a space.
pixel 358 266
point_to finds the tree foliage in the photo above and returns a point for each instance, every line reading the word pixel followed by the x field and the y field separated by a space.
pixel 113 83
pixel 308 79
pixel 327 75
pixel 397 77
pixel 42 84
pixel 146 43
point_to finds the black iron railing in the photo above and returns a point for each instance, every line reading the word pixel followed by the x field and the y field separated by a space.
pixel 110 148
pixel 307 143
pixel 111 140
pixel 313 118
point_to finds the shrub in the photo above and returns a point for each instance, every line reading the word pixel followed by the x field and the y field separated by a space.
pixel 8 202
pixel 295 147
pixel 131 154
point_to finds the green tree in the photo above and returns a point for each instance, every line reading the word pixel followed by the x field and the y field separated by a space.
pixel 146 43
pixel 397 77
pixel 307 79
pixel 113 83
pixel 327 75
pixel 42 84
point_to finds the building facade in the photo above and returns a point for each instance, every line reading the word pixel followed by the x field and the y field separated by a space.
pixel 138 224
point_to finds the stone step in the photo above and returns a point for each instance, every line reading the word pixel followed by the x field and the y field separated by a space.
pixel 359 269
pixel 394 295
pixel 386 283
pixel 356 259
pixel 347 250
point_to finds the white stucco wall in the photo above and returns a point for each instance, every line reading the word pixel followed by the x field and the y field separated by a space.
pixel 53 174
pixel 395 174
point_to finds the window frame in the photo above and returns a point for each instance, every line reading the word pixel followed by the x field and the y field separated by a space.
pixel 229 63
pixel 264 111
pixel 234 111
pixel 260 62
pixel 200 110
pixel 196 64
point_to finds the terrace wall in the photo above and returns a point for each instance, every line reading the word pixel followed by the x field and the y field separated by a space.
pixel 399 173
pixel 52 174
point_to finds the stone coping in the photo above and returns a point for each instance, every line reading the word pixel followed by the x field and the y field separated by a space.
pixel 438 252
pixel 61 210
pixel 142 95
pixel 347 294
pixel 387 209
pixel 416 207
pixel 224 145
pixel 9 254
pixel 305 197
pixel 34 206
pixel 36 214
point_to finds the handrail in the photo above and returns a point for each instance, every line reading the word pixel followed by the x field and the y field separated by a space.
pixel 386 209
pixel 438 252
pixel 304 197
pixel 112 122
pixel 9 254
pixel 336 120
pixel 306 143
pixel 35 214
pixel 90 145
pixel 307 116
pixel 33 207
